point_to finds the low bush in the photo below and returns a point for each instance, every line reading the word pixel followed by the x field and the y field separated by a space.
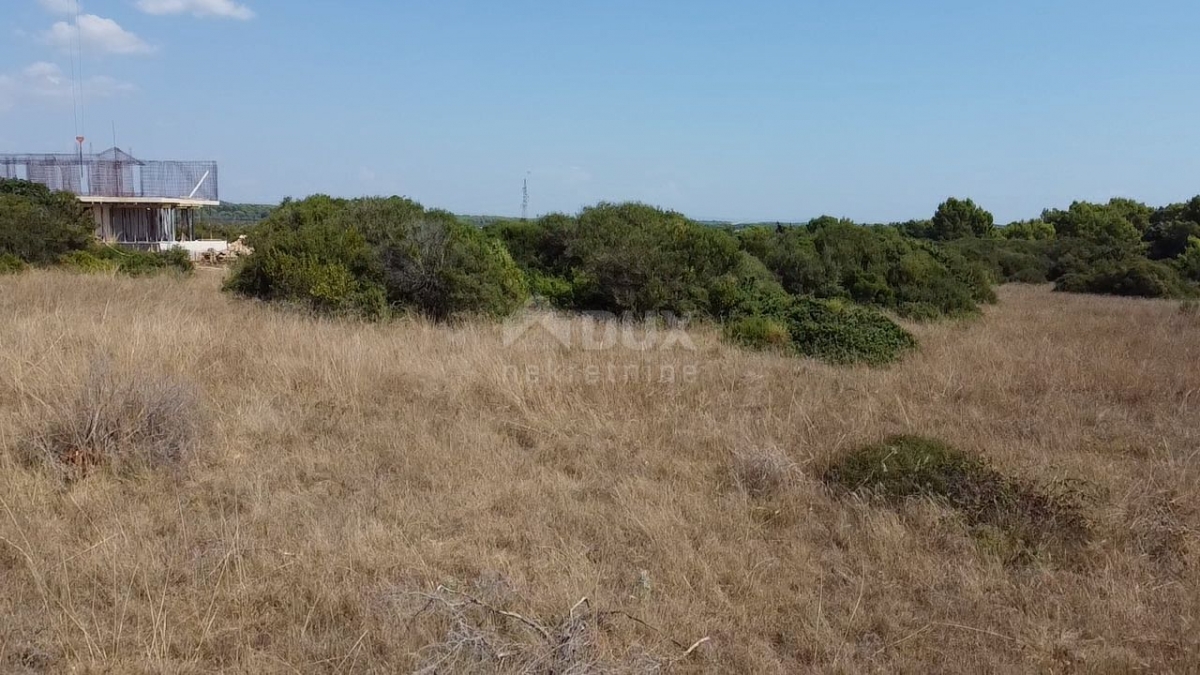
pixel 1133 277
pixel 11 264
pixel 107 259
pixel 87 262
pixel 1028 519
pixel 842 333
pixel 368 257
pixel 759 332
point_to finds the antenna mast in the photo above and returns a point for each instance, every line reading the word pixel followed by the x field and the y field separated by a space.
pixel 525 198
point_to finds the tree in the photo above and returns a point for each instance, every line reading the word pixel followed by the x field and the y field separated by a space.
pixel 1029 230
pixel 1105 224
pixel 1189 261
pixel 956 218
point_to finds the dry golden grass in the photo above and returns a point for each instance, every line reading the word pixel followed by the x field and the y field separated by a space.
pixel 347 471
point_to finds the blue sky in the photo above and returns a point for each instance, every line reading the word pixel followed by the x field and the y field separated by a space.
pixel 761 109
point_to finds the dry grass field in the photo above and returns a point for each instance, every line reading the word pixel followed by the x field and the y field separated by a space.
pixel 314 496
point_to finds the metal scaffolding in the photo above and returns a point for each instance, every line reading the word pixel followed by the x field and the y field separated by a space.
pixel 115 173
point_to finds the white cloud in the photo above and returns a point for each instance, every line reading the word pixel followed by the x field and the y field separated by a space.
pixel 97 33
pixel 227 9
pixel 60 6
pixel 46 82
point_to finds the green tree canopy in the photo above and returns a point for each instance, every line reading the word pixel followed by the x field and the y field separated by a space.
pixel 38 225
pixel 957 218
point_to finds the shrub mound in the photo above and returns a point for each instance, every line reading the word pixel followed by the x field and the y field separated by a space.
pixel 843 333
pixel 1133 277
pixel 370 257
pixel 834 331
pixel 1027 519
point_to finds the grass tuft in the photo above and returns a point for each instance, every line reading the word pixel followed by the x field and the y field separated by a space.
pixel 763 472
pixel 121 419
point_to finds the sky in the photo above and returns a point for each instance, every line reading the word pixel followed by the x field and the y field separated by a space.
pixel 754 110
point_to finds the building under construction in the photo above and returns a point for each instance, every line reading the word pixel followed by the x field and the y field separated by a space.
pixel 136 203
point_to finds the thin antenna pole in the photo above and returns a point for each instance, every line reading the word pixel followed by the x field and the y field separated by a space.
pixel 79 49
pixel 525 198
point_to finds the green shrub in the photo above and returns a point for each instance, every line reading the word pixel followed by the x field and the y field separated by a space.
pixel 39 226
pixel 87 262
pixel 302 257
pixel 11 264
pixel 445 269
pixel 871 265
pixel 105 259
pixel 365 256
pixel 1029 520
pixel 537 246
pixel 637 258
pixel 559 292
pixel 749 289
pixel 1189 261
pixel 1120 223
pixel 1133 277
pixel 146 263
pixel 842 333
pixel 759 332
pixel 1170 239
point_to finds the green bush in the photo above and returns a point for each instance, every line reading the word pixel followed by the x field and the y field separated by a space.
pixel 11 264
pixel 367 256
pixel 634 257
pixel 759 332
pixel 38 226
pixel 1133 277
pixel 1009 260
pixel 537 246
pixel 1170 239
pixel 445 269
pixel 842 333
pixel 1120 223
pixel 749 289
pixel 1029 520
pixel 87 262
pixel 145 263
pixel 871 265
pixel 1189 261
pixel 102 259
